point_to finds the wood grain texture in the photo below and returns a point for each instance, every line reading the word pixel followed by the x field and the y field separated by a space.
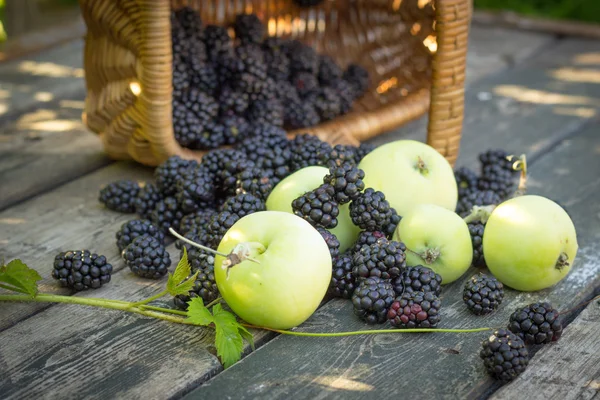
pixel 568 369
pixel 441 365
pixel 68 218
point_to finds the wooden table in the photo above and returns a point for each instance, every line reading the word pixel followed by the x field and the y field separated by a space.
pixel 527 93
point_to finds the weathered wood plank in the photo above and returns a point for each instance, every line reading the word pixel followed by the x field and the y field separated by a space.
pixel 568 369
pixel 440 365
pixel 68 218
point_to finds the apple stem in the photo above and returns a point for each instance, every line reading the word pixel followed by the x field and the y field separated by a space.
pixel 521 165
pixel 192 243
pixel 480 213
pixel 429 256
pixel 421 166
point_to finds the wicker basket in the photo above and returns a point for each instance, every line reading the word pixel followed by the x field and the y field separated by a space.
pixel 414 50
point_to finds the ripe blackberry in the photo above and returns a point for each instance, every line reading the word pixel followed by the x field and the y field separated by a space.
pixel 120 195
pixel 170 171
pixel 217 41
pixel 305 83
pixel 300 114
pixel 255 181
pixel 218 226
pixel 146 200
pixel 466 181
pixel 147 257
pixel 415 310
pixel 205 285
pixel 372 299
pixel 134 228
pixel 483 294
pixel 201 105
pixel 203 76
pixel 476 198
pixel 362 150
pixel 303 58
pixel 166 214
pixel 232 102
pixel 195 190
pixel 341 154
pixel 268 112
pixel 358 77
pixel 329 71
pixel 248 28
pixel 495 157
pixel 271 135
pixel 210 136
pixel 318 207
pixel 215 160
pixel 367 238
pixel 332 242
pixel 270 155
pixel 343 281
pixel 390 228
pixel 228 176
pixel 418 279
pixel 190 21
pixel 195 226
pixel 370 210
pixel 476 230
pixel 347 182
pixel 307 150
pixel 536 323
pixel 187 127
pixel 277 61
pixel 243 204
pixel 326 101
pixel 504 355
pixel 383 259
pixel 252 60
pixel 235 128
pixel 81 270
pixel 498 180
pixel 347 93
pixel 181 77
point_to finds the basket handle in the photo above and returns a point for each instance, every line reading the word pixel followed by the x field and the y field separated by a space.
pixel 446 109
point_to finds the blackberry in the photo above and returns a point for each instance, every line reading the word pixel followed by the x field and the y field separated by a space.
pixel 370 210
pixel 303 58
pixel 383 259
pixel 228 176
pixel 327 103
pixel 536 323
pixel 476 198
pixel 255 181
pixel 232 102
pixel 341 154
pixel 332 242
pixel 205 285
pixel 181 77
pixel 235 127
pixel 307 150
pixel 215 160
pixel 347 93
pixel 217 41
pixel 201 105
pixel 300 114
pixel 318 207
pixel 218 226
pixel 211 136
pixel 195 190
pixel 270 155
pixel 343 281
pixel 166 214
pixel 329 71
pixel 415 310
pixel 268 112
pixel 170 171
pixel 483 294
pixel 418 279
pixel 476 230
pixel 372 299
pixel 147 257
pixel 134 228
pixel 243 204
pixel 286 93
pixel 495 157
pixel 308 3
pixel 347 182
pixel 195 226
pixel 81 270
pixel 497 179
pixel 248 28
pixel 270 134
pixel 277 61
pixel 390 227
pixel 367 238
pixel 146 200
pixel 362 150
pixel 187 127
pixel 466 181
pixel 229 68
pixel 120 195
pixel 190 21
pixel 252 60
pixel 203 76
pixel 305 83
pixel 504 355
pixel 358 77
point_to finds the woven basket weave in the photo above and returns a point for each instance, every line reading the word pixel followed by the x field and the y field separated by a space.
pixel 414 50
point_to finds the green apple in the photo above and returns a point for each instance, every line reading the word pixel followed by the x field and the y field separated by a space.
pixel 436 238
pixel 305 180
pixel 529 243
pixel 289 278
pixel 409 173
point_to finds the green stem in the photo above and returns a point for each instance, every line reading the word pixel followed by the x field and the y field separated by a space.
pixel 149 299
pixel 369 332
pixel 215 301
pixel 164 310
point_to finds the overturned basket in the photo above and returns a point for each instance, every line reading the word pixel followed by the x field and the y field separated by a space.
pixel 414 50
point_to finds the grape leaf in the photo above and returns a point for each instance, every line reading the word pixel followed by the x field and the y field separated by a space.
pixel 197 313
pixel 228 339
pixel 247 335
pixel 180 282
pixel 18 277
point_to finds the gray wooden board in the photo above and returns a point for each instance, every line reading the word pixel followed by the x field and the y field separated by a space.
pixel 568 369
pixel 430 365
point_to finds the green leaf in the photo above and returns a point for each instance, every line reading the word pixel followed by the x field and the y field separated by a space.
pixel 180 282
pixel 197 313
pixel 247 335
pixel 19 277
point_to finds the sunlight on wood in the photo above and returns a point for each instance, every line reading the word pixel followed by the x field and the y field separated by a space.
pixel 576 75
pixel 387 85
pixel 57 125
pixel 341 383
pixel 587 59
pixel 431 43
pixel 50 69
pixel 423 3
pixel 38 115
pixel 525 94
pixel 135 88
pixel 3 108
pixel 12 221
pixel 584 112
pixel 416 28
pixel 4 94
pixel 396 5
pixel 43 96
pixel 77 104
